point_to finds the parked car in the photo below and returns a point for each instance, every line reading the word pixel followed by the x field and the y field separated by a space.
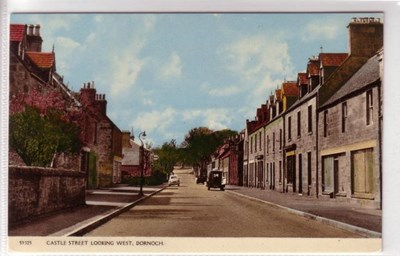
pixel 216 180
pixel 201 179
pixel 174 180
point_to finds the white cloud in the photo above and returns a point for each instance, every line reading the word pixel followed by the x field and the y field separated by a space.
pixel 66 43
pixel 155 121
pixel 147 102
pixel 256 56
pixel 64 47
pixel 222 91
pixel 213 118
pixel 126 67
pixel 260 64
pixel 173 68
pixel 320 31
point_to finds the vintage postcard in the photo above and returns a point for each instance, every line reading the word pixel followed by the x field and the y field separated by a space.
pixel 209 131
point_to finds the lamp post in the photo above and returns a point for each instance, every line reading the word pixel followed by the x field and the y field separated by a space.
pixel 141 136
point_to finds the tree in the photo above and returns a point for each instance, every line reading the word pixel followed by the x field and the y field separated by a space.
pixel 168 156
pixel 200 143
pixel 37 137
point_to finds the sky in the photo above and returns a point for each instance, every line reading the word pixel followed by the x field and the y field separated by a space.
pixel 167 73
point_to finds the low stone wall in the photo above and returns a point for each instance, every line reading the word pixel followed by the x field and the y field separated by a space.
pixel 34 191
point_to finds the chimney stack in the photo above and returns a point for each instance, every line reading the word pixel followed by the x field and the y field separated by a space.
pixel 366 36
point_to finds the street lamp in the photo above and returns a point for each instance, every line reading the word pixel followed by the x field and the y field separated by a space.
pixel 141 136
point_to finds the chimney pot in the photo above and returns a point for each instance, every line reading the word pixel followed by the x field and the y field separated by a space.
pixel 30 30
pixel 37 30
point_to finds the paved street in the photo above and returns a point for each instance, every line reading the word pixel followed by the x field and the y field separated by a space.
pixel 192 211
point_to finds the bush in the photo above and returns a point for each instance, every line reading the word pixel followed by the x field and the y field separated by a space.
pixel 157 178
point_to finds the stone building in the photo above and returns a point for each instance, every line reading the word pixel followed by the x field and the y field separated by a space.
pixel 255 152
pixel 33 75
pixel 324 153
pixel 350 138
pixel 236 160
pixel 349 147
pixel 301 122
pixel 102 154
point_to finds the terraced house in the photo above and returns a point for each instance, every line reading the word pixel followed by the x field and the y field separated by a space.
pixel 321 135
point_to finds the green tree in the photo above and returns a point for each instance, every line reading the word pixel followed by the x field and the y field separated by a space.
pixel 168 156
pixel 37 137
pixel 200 143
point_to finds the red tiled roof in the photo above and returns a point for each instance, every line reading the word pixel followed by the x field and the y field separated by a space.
pixel 290 89
pixel 313 67
pixel 332 59
pixel 41 59
pixel 17 32
pixel 302 78
pixel 278 94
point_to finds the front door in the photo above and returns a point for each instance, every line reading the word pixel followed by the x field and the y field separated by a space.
pixel 291 171
pixel 335 177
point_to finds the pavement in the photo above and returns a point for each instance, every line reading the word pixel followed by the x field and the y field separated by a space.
pixel 103 205
pixel 364 221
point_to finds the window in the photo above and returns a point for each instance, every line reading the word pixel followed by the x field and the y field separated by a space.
pixel 280 139
pixel 251 145
pixel 325 123
pixel 273 142
pixel 255 143
pixel 344 116
pixel 362 171
pixel 369 106
pixel 280 171
pixel 298 124
pixel 267 144
pixel 260 141
pixel 309 119
pixel 289 128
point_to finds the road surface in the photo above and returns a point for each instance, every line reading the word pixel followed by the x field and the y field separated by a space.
pixel 190 210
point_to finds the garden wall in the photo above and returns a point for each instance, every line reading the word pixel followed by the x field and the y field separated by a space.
pixel 34 191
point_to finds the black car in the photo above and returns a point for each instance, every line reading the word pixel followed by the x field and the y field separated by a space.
pixel 215 180
pixel 201 179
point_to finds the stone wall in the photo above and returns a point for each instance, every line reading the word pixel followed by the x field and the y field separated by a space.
pixel 34 191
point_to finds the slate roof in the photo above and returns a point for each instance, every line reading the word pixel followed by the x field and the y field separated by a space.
pixel 41 59
pixel 17 32
pixel 366 75
pixel 332 59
